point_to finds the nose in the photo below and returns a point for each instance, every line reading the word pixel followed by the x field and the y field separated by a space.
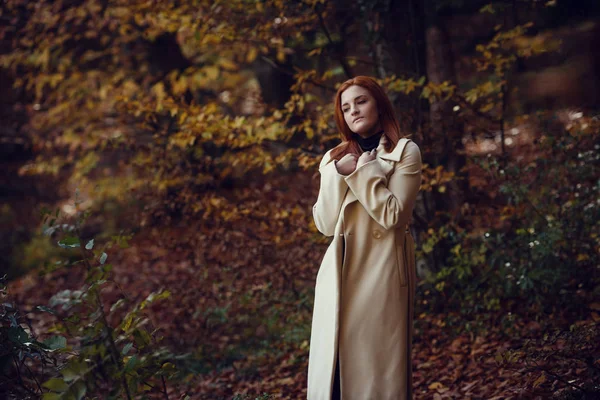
pixel 354 110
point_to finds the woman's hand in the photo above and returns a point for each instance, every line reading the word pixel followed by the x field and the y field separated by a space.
pixel 347 164
pixel 366 157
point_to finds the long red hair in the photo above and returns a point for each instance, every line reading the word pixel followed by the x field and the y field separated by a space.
pixel 387 119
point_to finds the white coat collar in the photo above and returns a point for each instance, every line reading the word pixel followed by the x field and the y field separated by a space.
pixel 395 154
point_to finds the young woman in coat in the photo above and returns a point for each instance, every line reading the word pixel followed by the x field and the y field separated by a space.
pixel 360 345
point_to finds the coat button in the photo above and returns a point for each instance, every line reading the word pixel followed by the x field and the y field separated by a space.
pixel 376 234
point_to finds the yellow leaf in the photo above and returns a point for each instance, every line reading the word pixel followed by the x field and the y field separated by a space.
pixel 182 118
pixel 286 381
pixel 539 380
pixel 211 72
pixel 251 55
pixel 316 51
pixel 309 132
pixel 582 257
pixel 281 56
pixel 228 64
pixel 159 90
pixel 436 385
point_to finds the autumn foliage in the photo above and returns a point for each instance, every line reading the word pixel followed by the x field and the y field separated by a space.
pixel 181 140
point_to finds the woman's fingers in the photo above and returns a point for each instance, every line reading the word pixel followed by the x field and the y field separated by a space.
pixel 366 157
pixel 369 154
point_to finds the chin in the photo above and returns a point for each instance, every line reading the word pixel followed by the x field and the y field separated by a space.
pixel 364 132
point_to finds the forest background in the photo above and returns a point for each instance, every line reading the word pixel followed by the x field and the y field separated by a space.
pixel 159 166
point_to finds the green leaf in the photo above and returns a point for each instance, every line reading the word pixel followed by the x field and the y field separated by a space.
pixel 103 258
pixel 80 389
pixel 17 335
pixel 141 337
pixel 489 8
pixel 73 370
pixel 44 211
pixel 118 304
pixel 56 342
pixel 126 349
pixel 168 367
pixel 46 309
pixel 56 384
pixel 89 245
pixel 154 296
pixel 131 363
pixel 51 396
pixel 69 242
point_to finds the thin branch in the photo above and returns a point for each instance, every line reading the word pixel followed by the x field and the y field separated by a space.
pixel 20 377
pixel 345 66
pixel 164 387
pixel 291 73
pixel 107 328
pixel 378 57
pixel 34 378
pixel 502 122
pixel 538 367
pixel 462 101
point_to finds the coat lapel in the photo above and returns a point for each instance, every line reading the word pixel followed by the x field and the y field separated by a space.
pixel 396 154
pixel 386 159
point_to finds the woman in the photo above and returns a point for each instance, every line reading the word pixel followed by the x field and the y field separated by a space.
pixel 361 335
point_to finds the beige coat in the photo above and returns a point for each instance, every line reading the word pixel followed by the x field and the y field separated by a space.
pixel 365 286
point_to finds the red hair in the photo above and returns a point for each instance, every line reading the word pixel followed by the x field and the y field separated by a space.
pixel 387 119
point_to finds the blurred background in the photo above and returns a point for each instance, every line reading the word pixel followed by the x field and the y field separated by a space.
pixel 158 167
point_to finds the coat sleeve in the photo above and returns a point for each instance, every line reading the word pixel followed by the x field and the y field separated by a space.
pixel 332 190
pixel 389 203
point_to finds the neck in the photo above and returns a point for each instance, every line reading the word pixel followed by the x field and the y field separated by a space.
pixel 368 143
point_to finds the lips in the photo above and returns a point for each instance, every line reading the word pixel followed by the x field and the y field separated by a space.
pixel 357 119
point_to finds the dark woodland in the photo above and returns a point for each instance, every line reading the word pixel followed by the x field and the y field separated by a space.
pixel 159 164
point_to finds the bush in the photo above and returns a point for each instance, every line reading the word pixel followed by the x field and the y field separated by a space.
pixel 544 252
pixel 86 356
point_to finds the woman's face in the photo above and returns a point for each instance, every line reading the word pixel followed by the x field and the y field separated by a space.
pixel 360 111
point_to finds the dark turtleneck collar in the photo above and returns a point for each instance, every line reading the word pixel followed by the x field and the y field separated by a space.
pixel 368 143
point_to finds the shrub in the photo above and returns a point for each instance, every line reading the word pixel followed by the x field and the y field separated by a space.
pixel 87 356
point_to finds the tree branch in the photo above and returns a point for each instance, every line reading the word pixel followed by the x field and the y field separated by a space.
pixel 291 73
pixel 345 66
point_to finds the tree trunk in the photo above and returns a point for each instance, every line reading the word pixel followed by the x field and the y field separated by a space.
pixel 445 139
